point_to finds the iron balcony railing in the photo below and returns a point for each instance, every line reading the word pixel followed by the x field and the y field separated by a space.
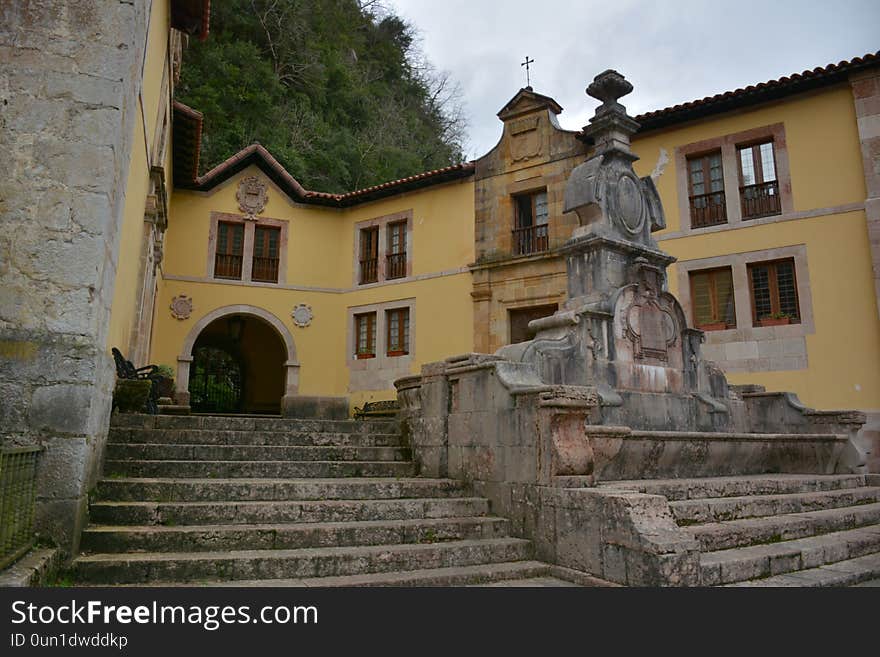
pixel 396 265
pixel 369 270
pixel 265 270
pixel 761 200
pixel 531 239
pixel 708 210
pixel 18 477
pixel 227 266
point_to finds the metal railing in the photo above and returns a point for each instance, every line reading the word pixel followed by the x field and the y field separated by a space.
pixel 396 265
pixel 761 200
pixel 227 266
pixel 531 239
pixel 18 476
pixel 265 270
pixel 369 271
pixel 708 210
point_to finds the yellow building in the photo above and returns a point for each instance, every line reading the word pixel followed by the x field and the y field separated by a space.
pixel 271 296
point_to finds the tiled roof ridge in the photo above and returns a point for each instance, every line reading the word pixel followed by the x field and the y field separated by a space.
pixel 777 83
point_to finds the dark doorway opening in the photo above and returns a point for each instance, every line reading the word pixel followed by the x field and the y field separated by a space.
pixel 238 367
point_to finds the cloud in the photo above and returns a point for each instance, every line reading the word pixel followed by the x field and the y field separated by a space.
pixel 671 50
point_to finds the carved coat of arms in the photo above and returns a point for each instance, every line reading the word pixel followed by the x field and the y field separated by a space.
pixel 252 196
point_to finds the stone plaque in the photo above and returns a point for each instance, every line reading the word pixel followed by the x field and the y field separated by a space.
pixel 181 307
pixel 302 315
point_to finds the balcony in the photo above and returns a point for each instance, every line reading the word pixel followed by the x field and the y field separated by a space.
pixel 227 266
pixel 761 200
pixel 708 210
pixel 265 270
pixel 395 267
pixel 369 271
pixel 531 239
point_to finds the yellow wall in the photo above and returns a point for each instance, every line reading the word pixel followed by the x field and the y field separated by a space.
pixel 320 273
pixel 826 171
pixel 126 292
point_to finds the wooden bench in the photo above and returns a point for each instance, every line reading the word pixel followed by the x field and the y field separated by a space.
pixel 125 369
pixel 386 408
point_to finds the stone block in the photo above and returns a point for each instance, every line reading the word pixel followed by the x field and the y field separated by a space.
pixel 325 408
pixel 63 467
pixel 61 408
pixel 61 521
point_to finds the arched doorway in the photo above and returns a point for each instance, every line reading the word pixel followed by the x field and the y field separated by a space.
pixel 238 359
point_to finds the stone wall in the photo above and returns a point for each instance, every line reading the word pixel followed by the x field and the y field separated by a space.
pixel 534 154
pixel 69 79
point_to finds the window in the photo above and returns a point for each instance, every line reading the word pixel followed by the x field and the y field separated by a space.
pixel 520 318
pixel 365 335
pixel 228 255
pixel 706 190
pixel 530 233
pixel 759 189
pixel 369 256
pixel 396 252
pixel 712 299
pixel 397 323
pixel 265 262
pixel 773 288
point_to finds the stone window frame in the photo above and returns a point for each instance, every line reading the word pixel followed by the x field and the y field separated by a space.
pixel 728 145
pixel 738 262
pixel 382 363
pixel 247 252
pixel 382 223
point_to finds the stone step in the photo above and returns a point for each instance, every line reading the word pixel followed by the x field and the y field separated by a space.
pixel 842 573
pixel 688 512
pixel 204 490
pixel 172 452
pixel 773 529
pixel 250 423
pixel 710 487
pixel 451 576
pixel 270 469
pixel 285 438
pixel 133 568
pixel 756 561
pixel 528 582
pixel 199 538
pixel 246 513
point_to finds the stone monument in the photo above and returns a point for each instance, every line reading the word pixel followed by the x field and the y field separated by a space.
pixel 612 387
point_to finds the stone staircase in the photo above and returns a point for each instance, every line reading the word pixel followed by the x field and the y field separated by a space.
pixel 778 530
pixel 244 501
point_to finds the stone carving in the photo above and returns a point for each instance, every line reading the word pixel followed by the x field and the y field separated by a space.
pixel 649 326
pixel 302 315
pixel 252 196
pixel 181 307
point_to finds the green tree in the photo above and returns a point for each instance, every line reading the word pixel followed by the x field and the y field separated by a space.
pixel 337 90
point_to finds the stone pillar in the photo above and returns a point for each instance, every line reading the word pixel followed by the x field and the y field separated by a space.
pixel 69 82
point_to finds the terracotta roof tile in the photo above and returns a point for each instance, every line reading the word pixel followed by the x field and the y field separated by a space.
pixel 756 93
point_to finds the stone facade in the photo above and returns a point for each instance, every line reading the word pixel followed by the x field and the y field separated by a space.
pixel 534 154
pixel 69 81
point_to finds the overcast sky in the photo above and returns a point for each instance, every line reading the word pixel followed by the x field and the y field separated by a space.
pixel 671 50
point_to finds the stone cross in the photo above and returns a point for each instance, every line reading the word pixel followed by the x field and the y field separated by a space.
pixel 526 64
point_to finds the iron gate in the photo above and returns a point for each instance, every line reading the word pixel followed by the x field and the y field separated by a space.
pixel 215 381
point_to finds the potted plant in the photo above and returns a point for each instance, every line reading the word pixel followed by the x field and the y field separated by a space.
pixel 775 319
pixel 130 395
pixel 164 381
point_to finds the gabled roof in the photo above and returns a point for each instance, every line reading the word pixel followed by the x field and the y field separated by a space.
pixel 192 17
pixel 257 155
pixel 531 99
pixel 755 94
